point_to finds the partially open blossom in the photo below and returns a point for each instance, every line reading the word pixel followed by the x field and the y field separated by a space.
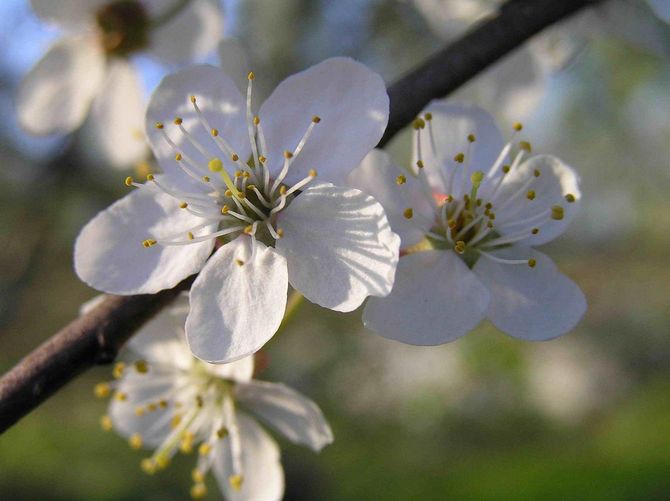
pixel 166 400
pixel 250 182
pixel 88 72
pixel 469 215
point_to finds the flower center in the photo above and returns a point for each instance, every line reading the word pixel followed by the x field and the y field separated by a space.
pixel 124 27
pixel 247 200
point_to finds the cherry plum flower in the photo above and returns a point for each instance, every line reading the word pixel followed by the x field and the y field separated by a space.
pixel 469 219
pixel 246 185
pixel 88 71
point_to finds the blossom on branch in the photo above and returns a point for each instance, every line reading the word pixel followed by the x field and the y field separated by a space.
pixel 169 401
pixel 249 182
pixel 469 216
pixel 88 72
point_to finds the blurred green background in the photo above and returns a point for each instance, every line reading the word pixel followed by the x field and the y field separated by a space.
pixel 586 416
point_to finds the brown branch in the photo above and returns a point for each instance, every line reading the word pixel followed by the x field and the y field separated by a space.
pixel 95 338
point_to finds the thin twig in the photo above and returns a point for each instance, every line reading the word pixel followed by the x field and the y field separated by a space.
pixel 96 338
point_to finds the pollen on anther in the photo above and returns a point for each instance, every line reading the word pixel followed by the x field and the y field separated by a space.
pixel 257 120
pixel 400 179
pixel 214 132
pixel 472 138
pixel 178 157
pixel 204 449
pixel 526 146
pixel 150 177
pixel 117 372
pixel 570 198
pixel 225 209
pixel 129 181
pixel 312 173
pixel 178 121
pixel 193 99
pixel 190 235
pixel 236 482
pixel 428 116
pixel 459 157
pixel 159 125
pixel 557 212
pixel 418 124
pixel 408 213
pixel 248 229
pixel 135 441
pixel 222 432
pixel 148 466
pixel 506 169
pixel 183 205
pixel 532 263
pixel 316 119
pixel 262 159
pixel 419 164
pixel 460 247
pixel 251 76
pixel 280 232
pixel 535 231
pixel 198 491
pixel 141 366
pixel 537 173
pixel 102 390
pixel 530 195
pixel 205 179
pixel 239 262
pixel 106 423
pixel 518 126
pixel 282 189
pixel 288 154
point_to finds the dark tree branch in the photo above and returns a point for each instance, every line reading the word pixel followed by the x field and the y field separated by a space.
pixel 96 338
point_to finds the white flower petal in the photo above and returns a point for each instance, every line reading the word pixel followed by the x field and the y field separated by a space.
pixel 436 299
pixel 352 103
pixel 293 415
pixel 68 14
pixel 377 176
pixel 530 303
pixel 241 370
pixel 339 246
pixel 451 124
pixel 263 476
pixel 234 62
pixel 237 301
pixel 109 255
pixel 555 182
pixel 55 95
pixel 190 35
pixel 115 126
pixel 222 106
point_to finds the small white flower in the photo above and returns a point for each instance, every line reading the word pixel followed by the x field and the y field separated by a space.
pixel 88 71
pixel 251 179
pixel 468 219
pixel 169 401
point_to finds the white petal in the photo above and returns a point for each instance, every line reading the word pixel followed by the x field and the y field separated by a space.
pixel 530 303
pixel 241 370
pixel 69 14
pixel 352 103
pixel 293 415
pixel 222 106
pixel 377 176
pixel 55 95
pixel 109 255
pixel 115 126
pixel 339 246
pixel 234 62
pixel 556 180
pixel 190 35
pixel 263 476
pixel 237 301
pixel 436 299
pixel 661 8
pixel 143 389
pixel 451 124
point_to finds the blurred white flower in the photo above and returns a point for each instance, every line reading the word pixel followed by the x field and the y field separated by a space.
pixel 250 178
pixel 169 401
pixel 88 71
pixel 468 219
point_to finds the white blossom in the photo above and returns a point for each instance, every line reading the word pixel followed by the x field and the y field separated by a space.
pixel 88 71
pixel 166 400
pixel 251 179
pixel 469 218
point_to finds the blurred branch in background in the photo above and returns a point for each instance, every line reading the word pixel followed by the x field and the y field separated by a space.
pixel 96 338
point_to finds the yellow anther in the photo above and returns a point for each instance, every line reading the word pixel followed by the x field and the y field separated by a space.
pixel 532 263
pixel 478 202
pixel 142 366
pixel 151 407
pixel 205 179
pixel 215 165
pixel 150 177
pixel 408 213
pixel 176 419
pixel 535 231
pixel 449 199
pixel 178 121
pixel 222 432
pixel 204 449
pixel 459 157
pixel 570 198
pixel 248 229
pixel 250 75
pixel 163 404
pixel 159 125
pixel 476 178
pixel 149 242
pixel 460 247
pixel 234 157
pixel 288 154
pixel 257 120
pixel 400 179
pixel 197 475
pixel 526 146
pixel 228 193
pixel 135 441
pixel 557 212
pixel 238 173
pixel 418 123
pixel 129 181
pixel 148 466
pixel 183 205
pixel 316 119
pixel 505 169
pixel 419 164
pixel 178 157
pixel 199 401
pixel 472 138
pixel 162 461
pixel 106 423
pixel 246 175
pixel 225 209
pixel 118 369
pixel 214 132
pixel 280 232
pixel 488 205
pixel 492 216
pixel 198 491
pixel 537 173
pixel 192 99
pixel 282 189
pixel 102 390
pixel 518 126
pixel 139 411
pixel 190 235
pixel 120 396
pixel 262 159
pixel 452 224
pixel 428 116
pixel 239 262
pixel 489 224
pixel 530 195
pixel 186 445
pixel 236 482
